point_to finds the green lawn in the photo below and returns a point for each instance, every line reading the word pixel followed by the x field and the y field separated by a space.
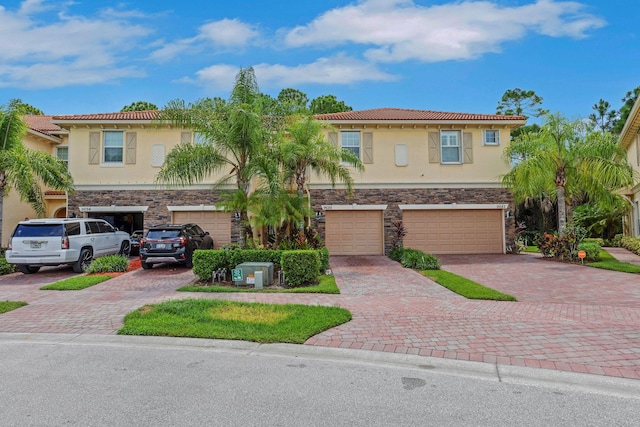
pixel 326 285
pixel 205 318
pixel 76 283
pixel 465 287
pixel 10 305
pixel 608 262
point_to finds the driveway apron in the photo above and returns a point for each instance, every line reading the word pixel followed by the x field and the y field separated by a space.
pixel 569 318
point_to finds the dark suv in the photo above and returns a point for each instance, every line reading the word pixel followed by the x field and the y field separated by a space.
pixel 173 243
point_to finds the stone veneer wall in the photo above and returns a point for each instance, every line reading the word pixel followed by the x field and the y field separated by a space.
pixel 156 200
pixel 408 196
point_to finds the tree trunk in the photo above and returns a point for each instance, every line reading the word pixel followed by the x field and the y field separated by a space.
pixel 562 209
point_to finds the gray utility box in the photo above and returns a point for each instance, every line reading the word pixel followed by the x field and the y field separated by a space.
pixel 249 269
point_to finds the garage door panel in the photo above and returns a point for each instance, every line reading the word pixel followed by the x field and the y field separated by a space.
pixel 218 224
pixel 354 232
pixel 454 231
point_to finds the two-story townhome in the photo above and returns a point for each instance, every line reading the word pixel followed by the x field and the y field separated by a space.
pixel 438 173
pixel 42 135
pixel 630 140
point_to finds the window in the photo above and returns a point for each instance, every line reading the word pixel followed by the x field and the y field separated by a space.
pixel 113 146
pixel 450 146
pixel 199 138
pixel 62 153
pixel 351 142
pixel 491 137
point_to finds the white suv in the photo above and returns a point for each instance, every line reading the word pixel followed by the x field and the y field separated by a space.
pixel 77 242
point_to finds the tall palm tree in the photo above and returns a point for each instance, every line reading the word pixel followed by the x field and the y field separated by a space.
pixel 25 170
pixel 565 161
pixel 235 133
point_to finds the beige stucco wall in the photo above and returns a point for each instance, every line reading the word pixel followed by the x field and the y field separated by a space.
pixel 125 175
pixel 633 218
pixel 487 165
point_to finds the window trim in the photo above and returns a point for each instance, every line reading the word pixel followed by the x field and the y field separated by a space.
pixel 459 146
pixel 104 147
pixel 484 137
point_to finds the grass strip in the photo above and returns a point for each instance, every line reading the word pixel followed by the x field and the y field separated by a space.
pixel 326 285
pixel 76 283
pixel 6 306
pixel 465 287
pixel 219 319
pixel 608 262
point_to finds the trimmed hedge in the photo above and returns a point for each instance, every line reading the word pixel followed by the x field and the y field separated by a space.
pixel 108 264
pixel 631 243
pixel 592 249
pixel 206 261
pixel 415 259
pixel 300 267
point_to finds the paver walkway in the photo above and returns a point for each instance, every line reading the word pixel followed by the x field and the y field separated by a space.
pixel 568 317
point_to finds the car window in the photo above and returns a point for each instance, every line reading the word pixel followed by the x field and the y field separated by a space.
pixel 72 228
pixel 38 230
pixel 105 227
pixel 199 231
pixel 163 234
pixel 93 227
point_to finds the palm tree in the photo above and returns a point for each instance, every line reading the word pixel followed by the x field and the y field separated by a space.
pixel 25 170
pixel 306 149
pixel 235 133
pixel 565 161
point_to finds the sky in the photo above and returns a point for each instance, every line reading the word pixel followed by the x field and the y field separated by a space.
pixel 80 57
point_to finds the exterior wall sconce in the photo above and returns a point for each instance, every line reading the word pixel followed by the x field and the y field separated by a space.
pixel 508 214
pixel 319 214
pixel 236 215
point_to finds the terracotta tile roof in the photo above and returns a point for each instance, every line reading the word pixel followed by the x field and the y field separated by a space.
pixel 54 193
pixel 128 115
pixel 399 114
pixel 41 124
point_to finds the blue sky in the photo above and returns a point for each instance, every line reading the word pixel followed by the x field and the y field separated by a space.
pixel 74 57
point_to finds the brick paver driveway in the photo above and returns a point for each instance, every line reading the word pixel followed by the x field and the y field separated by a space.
pixel 568 317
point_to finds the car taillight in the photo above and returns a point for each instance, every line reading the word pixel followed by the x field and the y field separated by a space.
pixel 65 243
pixel 9 245
pixel 183 241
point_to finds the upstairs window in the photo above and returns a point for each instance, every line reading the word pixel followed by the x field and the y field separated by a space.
pixel 450 147
pixel 62 154
pixel 113 147
pixel 351 142
pixel 491 137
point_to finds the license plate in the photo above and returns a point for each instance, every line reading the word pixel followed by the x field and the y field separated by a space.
pixel 160 246
pixel 36 245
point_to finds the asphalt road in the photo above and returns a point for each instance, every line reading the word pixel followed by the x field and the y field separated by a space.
pixel 55 379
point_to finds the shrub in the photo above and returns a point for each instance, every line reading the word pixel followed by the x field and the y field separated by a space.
pixel 597 240
pixel 300 267
pixel 109 264
pixel 617 240
pixel 631 243
pixel 323 253
pixel 396 254
pixel 564 246
pixel 592 249
pixel 399 231
pixel 5 267
pixel 418 260
pixel 207 260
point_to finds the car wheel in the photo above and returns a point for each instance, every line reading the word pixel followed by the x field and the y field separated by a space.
pixel 146 265
pixel 188 263
pixel 83 262
pixel 28 269
pixel 125 249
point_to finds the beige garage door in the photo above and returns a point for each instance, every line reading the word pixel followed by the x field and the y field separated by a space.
pixel 460 231
pixel 218 224
pixel 354 232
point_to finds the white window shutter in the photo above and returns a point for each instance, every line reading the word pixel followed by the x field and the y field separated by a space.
pixel 367 147
pixel 94 148
pixel 434 147
pixel 185 137
pixel 402 155
pixel 130 150
pixel 157 155
pixel 467 145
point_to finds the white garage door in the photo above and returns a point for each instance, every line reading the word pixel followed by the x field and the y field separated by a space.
pixel 354 232
pixel 455 231
pixel 218 224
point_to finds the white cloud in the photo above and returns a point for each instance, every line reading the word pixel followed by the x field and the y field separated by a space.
pixel 223 35
pixel 339 69
pixel 399 30
pixel 64 50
